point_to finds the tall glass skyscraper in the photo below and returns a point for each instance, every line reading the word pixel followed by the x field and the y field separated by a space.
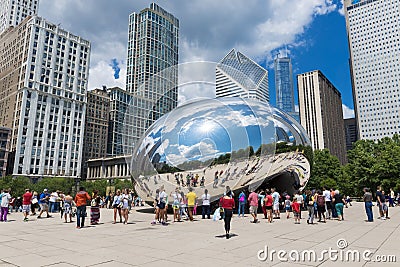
pixel 284 84
pixel 239 76
pixel 373 33
pixel 152 71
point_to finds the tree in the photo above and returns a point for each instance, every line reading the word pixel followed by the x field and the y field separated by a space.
pixel 326 170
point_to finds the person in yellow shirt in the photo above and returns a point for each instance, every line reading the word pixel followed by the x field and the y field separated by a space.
pixel 191 200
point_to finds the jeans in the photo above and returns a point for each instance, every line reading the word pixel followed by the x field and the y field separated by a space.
pixel 52 206
pixel 368 210
pixel 310 214
pixel 241 208
pixel 228 216
pixel 205 210
pixel 3 214
pixel 56 206
pixel 80 216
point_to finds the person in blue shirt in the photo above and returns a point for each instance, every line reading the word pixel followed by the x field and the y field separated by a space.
pixel 44 203
pixel 242 203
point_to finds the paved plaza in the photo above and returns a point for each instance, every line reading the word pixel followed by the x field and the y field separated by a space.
pixel 50 242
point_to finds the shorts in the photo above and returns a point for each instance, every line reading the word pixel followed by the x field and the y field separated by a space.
pixel 161 205
pixel 296 214
pixel 175 207
pixel 276 206
pixel 268 207
pixel 253 209
pixel 116 206
pixel 26 208
pixel 382 207
pixel 287 208
pixel 67 208
pixel 44 207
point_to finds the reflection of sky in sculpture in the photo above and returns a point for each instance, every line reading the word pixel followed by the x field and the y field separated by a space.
pixel 195 139
pixel 208 129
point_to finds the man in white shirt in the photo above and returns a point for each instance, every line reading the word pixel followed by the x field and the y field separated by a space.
pixel 300 200
pixel 328 202
pixel 53 200
pixel 205 209
pixel 275 196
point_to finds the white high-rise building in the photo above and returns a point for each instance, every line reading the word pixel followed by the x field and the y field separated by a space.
pixel 239 76
pixel 12 12
pixel 373 30
pixel 43 82
pixel 152 71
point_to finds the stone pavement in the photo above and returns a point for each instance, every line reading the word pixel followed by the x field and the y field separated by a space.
pixel 50 242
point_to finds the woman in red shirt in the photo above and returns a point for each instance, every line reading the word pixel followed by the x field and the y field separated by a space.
pixel 268 202
pixel 228 204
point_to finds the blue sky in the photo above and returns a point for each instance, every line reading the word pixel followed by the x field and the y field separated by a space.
pixel 313 30
pixel 327 50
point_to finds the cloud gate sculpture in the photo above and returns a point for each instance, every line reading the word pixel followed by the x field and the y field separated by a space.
pixel 241 143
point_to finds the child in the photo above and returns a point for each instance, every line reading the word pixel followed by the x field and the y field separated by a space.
pixel 348 201
pixel 296 211
pixel 287 206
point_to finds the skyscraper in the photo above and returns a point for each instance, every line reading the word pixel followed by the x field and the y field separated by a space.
pixel 284 84
pixel 13 12
pixel 120 125
pixel 96 126
pixel 321 113
pixel 373 34
pixel 43 82
pixel 152 71
pixel 239 76
pixel 4 149
pixel 350 131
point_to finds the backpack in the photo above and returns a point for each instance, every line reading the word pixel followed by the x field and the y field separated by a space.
pixel 321 201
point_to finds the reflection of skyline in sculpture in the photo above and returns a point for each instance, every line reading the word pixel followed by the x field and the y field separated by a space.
pixel 233 137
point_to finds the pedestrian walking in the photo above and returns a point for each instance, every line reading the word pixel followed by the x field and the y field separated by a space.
pixel 228 204
pixel 81 199
pixel 242 203
pixel 44 203
pixel 367 198
pixel 95 208
pixel 205 208
pixel 4 203
pixel 253 202
pixel 191 201
pixel 26 203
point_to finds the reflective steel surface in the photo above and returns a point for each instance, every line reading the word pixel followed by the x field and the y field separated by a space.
pixel 215 143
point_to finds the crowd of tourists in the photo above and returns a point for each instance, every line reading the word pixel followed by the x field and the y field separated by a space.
pixel 319 205
pixel 47 203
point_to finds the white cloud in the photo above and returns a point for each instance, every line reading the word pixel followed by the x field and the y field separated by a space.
pixel 341 7
pixel 347 112
pixel 201 151
pixel 103 74
pixel 208 29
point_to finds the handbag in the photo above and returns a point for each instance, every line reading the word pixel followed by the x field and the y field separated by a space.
pixel 34 201
pixel 120 205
